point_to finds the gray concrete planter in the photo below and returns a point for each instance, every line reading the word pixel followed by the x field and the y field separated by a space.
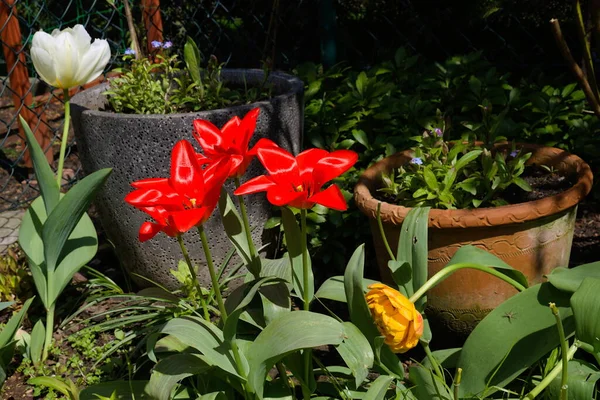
pixel 139 146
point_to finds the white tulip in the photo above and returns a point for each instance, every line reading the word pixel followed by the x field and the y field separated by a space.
pixel 67 58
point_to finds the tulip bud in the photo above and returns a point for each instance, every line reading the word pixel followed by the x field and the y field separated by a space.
pixel 396 317
pixel 67 58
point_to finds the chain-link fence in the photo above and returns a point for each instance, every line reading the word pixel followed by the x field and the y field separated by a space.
pixel 250 33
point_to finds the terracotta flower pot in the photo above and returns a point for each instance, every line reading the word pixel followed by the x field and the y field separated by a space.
pixel 534 237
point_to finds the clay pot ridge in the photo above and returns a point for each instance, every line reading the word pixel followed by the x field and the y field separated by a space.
pixel 564 162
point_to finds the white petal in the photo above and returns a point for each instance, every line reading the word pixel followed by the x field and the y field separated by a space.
pixel 66 61
pixel 44 65
pixel 93 62
pixel 82 38
pixel 42 40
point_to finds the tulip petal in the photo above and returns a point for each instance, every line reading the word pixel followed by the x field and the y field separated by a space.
pixel 208 136
pixel 43 63
pixel 152 183
pixel 281 196
pixel 259 184
pixel 81 38
pixel 148 230
pixel 152 197
pixel 333 166
pixel 93 61
pixel 331 197
pixel 247 128
pixel 66 60
pixel 280 164
pixel 186 174
pixel 230 133
pixel 185 220
pixel 262 143
pixel 309 158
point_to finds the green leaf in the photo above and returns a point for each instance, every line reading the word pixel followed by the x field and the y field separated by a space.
pixel 125 390
pixel 475 85
pixel 206 338
pixel 361 137
pixel 585 303
pixel 53 383
pixel 8 332
pixel 528 332
pixel 412 249
pixel 38 336
pixel 79 249
pixel 361 83
pixel 428 385
pixel 168 372
pixel 359 311
pixel 43 173
pixel 213 396
pixel 289 333
pixel 466 159
pixel 293 234
pixel 570 279
pixel 522 183
pixel 581 382
pixel 379 388
pixel 333 288
pixel 474 255
pixel 430 179
pixel 192 58
pixel 356 352
pixel 234 227
pixel 276 300
pixel 62 221
pixel 448 358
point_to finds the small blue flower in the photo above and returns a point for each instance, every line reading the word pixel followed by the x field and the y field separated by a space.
pixel 167 44
pixel 156 44
pixel 129 52
pixel 438 132
pixel 513 153
pixel 417 161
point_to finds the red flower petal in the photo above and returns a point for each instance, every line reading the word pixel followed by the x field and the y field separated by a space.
pixel 262 143
pixel 331 197
pixel 148 230
pixel 186 174
pixel 247 128
pixel 185 220
pixel 230 132
pixel 333 166
pixel 151 197
pixel 280 164
pixel 282 196
pixel 208 136
pixel 153 183
pixel 259 184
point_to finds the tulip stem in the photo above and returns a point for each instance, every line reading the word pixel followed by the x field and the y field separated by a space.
pixel 213 274
pixel 563 351
pixel 382 233
pixel 446 271
pixel 64 139
pixel 307 352
pixel 188 261
pixel 552 374
pixel 49 331
pixel 434 363
pixel 243 210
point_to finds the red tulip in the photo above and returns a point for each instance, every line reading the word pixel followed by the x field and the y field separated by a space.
pixel 231 142
pixel 184 200
pixel 298 181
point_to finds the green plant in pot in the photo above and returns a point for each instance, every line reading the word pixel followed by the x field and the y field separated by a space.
pixel 481 194
pixel 131 122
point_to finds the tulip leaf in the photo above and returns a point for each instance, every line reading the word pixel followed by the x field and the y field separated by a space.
pixel 289 333
pixel 569 279
pixel 279 267
pixel 79 249
pixel 585 303
pixel 38 335
pixel 356 352
pixel 527 330
pixel 293 236
pixel 43 173
pixel 333 288
pixel 448 358
pixel 168 372
pixel 206 338
pixel 428 385
pixel 192 58
pixel 234 227
pixel 473 255
pixel 68 389
pixel 412 249
pixel 7 335
pixel 359 311
pixel 276 300
pixel 581 382
pixel 379 388
pixel 125 390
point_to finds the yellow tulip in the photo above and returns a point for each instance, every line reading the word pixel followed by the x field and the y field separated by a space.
pixel 395 316
pixel 67 58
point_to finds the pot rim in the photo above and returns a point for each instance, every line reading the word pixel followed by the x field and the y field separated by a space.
pixel 296 86
pixel 480 217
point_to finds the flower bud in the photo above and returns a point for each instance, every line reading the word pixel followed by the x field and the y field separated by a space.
pixel 395 316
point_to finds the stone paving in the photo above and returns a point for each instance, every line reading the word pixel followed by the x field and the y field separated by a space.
pixel 9 228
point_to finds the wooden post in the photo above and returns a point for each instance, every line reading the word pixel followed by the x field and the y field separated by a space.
pixel 19 80
pixel 152 22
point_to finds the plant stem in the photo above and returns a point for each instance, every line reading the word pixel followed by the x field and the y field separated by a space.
pixel 563 351
pixel 134 38
pixel 64 138
pixel 433 361
pixel 307 352
pixel 213 274
pixel 49 331
pixel 553 374
pixel 243 210
pixel 457 379
pixel 382 233
pixel 446 271
pixel 194 277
